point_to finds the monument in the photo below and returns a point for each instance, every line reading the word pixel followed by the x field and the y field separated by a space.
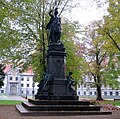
pixel 56 95
pixel 55 85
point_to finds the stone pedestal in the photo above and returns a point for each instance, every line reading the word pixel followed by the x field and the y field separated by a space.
pixel 56 61
pixel 59 108
pixel 58 88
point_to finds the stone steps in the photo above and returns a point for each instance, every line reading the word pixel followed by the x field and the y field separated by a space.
pixel 53 107
pixel 58 108
pixel 58 102
pixel 24 112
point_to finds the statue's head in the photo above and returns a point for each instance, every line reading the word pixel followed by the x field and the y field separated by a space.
pixel 56 11
pixel 70 73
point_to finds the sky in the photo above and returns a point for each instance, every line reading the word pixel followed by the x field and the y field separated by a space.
pixel 87 11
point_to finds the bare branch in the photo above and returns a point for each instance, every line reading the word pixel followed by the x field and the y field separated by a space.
pixel 63 7
pixel 32 32
pixel 102 58
pixel 110 37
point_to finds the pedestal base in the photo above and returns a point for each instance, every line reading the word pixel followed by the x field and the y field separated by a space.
pixel 58 108
pixel 58 88
pixel 59 91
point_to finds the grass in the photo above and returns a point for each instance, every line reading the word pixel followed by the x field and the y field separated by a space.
pixel 115 103
pixel 9 102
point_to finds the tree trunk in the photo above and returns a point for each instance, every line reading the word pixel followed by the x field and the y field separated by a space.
pixel 99 94
pixel 43 37
pixel 97 77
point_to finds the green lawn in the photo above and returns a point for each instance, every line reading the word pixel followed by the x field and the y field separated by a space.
pixel 116 103
pixel 9 102
pixel 15 102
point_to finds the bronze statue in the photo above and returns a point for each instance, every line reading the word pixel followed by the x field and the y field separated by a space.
pixel 70 80
pixel 48 78
pixel 54 27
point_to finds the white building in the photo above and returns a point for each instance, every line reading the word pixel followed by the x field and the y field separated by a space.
pixel 22 84
pixel 87 91
pixel 16 83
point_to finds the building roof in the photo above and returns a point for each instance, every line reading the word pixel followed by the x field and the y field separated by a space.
pixel 9 67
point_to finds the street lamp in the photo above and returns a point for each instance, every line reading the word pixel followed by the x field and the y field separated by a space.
pixel 26 93
pixel 33 85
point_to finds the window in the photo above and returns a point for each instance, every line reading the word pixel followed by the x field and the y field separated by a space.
pixel 10 78
pixel 27 78
pixel 2 91
pixel 22 79
pixel 22 92
pixel 94 93
pixel 105 93
pixel 111 93
pixel 84 93
pixel 16 78
pixel 84 85
pixel 27 85
pixel 90 93
pixel 27 92
pixel 116 93
pixel 22 85
pixel 78 92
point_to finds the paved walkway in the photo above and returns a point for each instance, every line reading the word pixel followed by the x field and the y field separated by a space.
pixel 12 98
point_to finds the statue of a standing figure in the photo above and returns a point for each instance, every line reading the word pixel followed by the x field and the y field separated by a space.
pixel 54 27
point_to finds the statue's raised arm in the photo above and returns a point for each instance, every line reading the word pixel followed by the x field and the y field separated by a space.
pixel 54 27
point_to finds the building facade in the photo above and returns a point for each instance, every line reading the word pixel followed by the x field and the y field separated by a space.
pixel 87 91
pixel 16 83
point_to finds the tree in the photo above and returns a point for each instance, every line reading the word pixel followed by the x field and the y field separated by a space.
pixel 26 39
pixel 102 51
pixel 110 28
pixel 109 33
pixel 99 63
pixel 73 61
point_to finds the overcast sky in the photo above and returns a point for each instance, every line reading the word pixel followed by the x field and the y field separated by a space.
pixel 87 10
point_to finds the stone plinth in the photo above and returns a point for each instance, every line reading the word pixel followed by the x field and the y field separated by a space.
pixel 56 61
pixel 58 88
pixel 58 108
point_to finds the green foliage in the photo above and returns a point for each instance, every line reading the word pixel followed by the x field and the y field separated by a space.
pixel 23 39
pixel 37 65
pixel 101 58
pixel 72 60
pixel 111 73
pixel 102 55
pixel 109 31
pixel 109 34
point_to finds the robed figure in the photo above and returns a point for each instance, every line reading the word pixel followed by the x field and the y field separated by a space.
pixel 54 27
